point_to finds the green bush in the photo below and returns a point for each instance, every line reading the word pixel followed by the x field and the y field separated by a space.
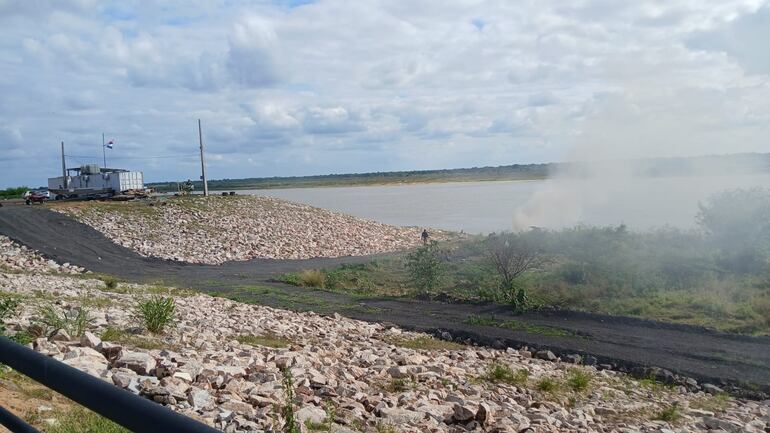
pixel 13 192
pixel 312 278
pixel 736 222
pixel 578 380
pixel 157 313
pixel 426 267
pixel 292 278
pixel 110 282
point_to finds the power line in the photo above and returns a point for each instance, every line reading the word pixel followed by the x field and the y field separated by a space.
pixel 137 157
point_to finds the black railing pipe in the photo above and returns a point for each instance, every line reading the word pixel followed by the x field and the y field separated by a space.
pixel 131 411
pixel 14 423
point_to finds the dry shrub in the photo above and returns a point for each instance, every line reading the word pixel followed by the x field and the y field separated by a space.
pixel 312 278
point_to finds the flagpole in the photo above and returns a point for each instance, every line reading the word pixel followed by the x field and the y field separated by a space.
pixel 104 152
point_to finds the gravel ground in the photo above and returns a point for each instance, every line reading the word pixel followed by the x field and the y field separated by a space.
pixel 622 342
pixel 218 229
pixel 16 257
pixel 219 364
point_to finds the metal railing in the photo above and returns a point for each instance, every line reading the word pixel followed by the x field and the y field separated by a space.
pixel 131 411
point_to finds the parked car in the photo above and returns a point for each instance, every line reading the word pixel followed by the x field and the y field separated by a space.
pixel 36 197
pixel 39 192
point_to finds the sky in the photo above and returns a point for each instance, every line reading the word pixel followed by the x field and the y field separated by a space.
pixel 292 87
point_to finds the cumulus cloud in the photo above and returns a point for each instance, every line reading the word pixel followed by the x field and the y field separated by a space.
pixel 743 38
pixel 368 85
pixel 251 59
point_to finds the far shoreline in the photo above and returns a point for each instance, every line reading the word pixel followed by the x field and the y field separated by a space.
pixel 374 184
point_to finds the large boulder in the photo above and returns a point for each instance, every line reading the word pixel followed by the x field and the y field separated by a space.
pixel 398 416
pixel 87 360
pixel 545 355
pixel 311 414
pixel 139 362
pixel 199 398
pixel 88 339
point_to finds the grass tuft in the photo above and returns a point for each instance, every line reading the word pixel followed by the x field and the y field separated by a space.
pixel 423 343
pixel 501 373
pixel 74 321
pixel 110 282
pixel 400 385
pixel 578 380
pixel 80 420
pixel 670 414
pixel 546 384
pixel 157 313
pixel 267 339
pixel 311 278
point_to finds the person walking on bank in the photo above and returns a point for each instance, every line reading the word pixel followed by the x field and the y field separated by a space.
pixel 425 236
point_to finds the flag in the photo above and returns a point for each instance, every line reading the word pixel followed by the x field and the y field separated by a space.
pixel 109 144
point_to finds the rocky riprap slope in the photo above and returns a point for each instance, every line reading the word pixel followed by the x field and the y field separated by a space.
pixel 218 229
pixel 17 257
pixel 361 374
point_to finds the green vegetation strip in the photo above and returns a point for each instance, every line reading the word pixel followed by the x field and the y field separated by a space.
pixel 518 325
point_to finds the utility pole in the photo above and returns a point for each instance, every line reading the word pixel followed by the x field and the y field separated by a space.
pixel 63 167
pixel 203 164
pixel 104 152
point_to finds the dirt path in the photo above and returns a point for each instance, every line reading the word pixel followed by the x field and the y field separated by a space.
pixel 626 342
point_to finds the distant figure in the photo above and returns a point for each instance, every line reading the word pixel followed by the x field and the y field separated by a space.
pixel 425 236
pixel 187 187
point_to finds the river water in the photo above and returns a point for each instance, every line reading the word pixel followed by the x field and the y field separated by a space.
pixel 482 207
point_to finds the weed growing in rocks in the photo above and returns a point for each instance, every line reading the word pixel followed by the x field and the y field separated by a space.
pixel 74 321
pixel 141 342
pixel 266 340
pixel 716 403
pixel 382 427
pixel 97 302
pixel 157 313
pixel 330 414
pixel 328 422
pixel 400 385
pixel 578 380
pixel 8 307
pixel 112 334
pixel 290 419
pixel 670 414
pixel 502 373
pixel 546 384
pixel 110 282
pixel 424 343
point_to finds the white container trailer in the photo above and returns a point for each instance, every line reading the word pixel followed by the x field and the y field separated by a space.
pixel 92 181
pixel 125 180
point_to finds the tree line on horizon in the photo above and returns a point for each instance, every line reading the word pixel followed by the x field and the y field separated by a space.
pixel 712 164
